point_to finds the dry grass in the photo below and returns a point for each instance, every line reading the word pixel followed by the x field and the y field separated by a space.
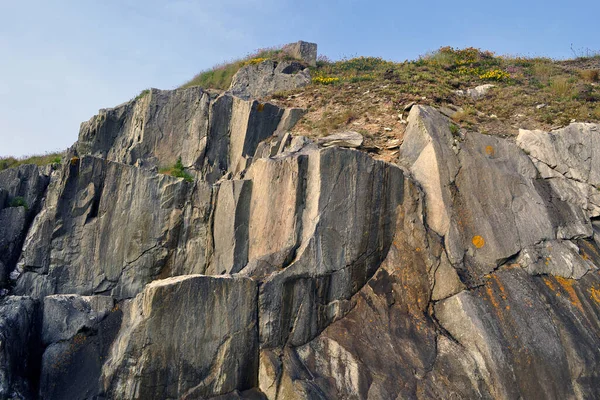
pixel 373 105
pixel 562 87
pixel 220 76
pixel 590 75
pixel 38 159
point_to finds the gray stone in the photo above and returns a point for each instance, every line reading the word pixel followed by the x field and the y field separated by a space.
pixel 213 136
pixel 26 183
pixel 77 332
pixel 268 77
pixel 18 334
pixel 67 315
pixel 556 257
pixel 477 92
pixel 304 51
pixel 186 337
pixel 483 195
pixel 316 238
pixel 343 139
pixel 568 159
pixel 111 228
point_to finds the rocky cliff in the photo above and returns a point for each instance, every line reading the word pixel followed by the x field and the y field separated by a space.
pixel 286 268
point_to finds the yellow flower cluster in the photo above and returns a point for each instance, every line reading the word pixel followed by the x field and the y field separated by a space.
pixel 325 80
pixel 468 71
pixel 495 75
pixel 255 61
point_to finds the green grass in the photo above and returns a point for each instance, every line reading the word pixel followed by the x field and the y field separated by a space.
pixel 18 202
pixel 220 76
pixel 178 171
pixel 39 160
pixel 373 88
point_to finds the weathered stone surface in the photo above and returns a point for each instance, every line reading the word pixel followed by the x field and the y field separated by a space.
pixel 556 257
pixel 388 316
pixel 327 246
pixel 268 77
pixel 230 230
pixel 568 159
pixel 343 139
pixel 25 185
pixel 77 332
pixel 186 337
pixel 304 51
pixel 483 195
pixel 67 315
pixel 528 336
pixel 110 228
pixel 211 135
pixel 18 339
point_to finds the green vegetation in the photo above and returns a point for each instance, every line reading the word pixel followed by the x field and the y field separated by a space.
pixel 178 171
pixel 39 160
pixel 531 93
pixel 220 76
pixel 18 202
pixel 142 94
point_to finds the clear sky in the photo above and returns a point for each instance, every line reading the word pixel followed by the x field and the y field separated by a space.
pixel 62 60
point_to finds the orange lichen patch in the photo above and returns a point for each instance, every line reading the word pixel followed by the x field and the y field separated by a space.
pixel 549 283
pixel 260 107
pixel 567 285
pixel 595 294
pixel 500 287
pixel 489 150
pixel 478 241
pixel 490 293
pixel 74 160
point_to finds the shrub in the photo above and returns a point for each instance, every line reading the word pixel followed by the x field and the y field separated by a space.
pixel 325 80
pixel 142 94
pixel 178 171
pixel 18 202
pixel 495 75
pixel 562 87
pixel 590 75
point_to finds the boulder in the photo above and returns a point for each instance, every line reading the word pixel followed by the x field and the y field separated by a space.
pixel 186 337
pixel 268 77
pixel 304 51
pixel 477 92
pixel 343 139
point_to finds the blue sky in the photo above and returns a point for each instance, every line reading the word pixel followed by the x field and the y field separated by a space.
pixel 60 61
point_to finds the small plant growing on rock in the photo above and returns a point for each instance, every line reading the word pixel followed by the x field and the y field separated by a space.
pixel 18 202
pixel 178 171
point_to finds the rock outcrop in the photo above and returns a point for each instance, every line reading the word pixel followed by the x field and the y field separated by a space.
pixel 291 268
pixel 267 77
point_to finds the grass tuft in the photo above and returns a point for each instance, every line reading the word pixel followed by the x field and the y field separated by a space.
pixel 39 159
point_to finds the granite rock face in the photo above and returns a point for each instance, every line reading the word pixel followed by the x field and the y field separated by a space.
pixel 21 193
pixel 291 268
pixel 189 337
pixel 19 338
